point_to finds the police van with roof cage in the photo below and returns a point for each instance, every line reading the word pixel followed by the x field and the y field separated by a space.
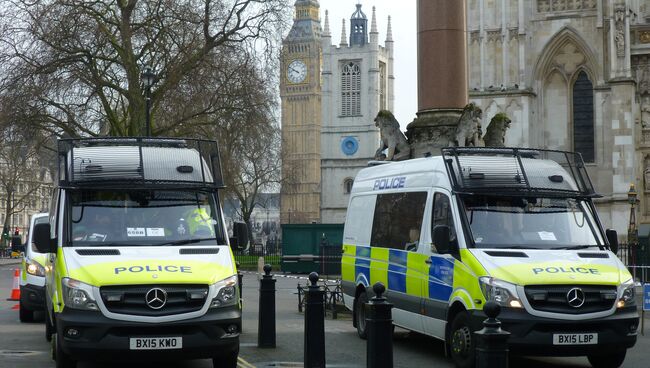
pixel 516 226
pixel 139 263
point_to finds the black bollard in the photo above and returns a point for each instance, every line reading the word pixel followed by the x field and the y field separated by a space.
pixel 492 341
pixel 314 324
pixel 379 322
pixel 266 321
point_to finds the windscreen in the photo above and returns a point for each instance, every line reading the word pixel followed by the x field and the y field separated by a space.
pixel 533 223
pixel 143 217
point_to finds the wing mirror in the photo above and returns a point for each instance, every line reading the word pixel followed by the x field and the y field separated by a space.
pixel 42 239
pixel 612 239
pixel 240 236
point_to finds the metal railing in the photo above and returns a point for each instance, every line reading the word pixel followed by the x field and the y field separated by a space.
pixel 637 262
pixel 248 258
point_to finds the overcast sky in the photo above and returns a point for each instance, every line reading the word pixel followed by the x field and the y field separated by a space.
pixel 403 19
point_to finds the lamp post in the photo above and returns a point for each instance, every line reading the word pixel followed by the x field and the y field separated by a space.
pixel 148 79
pixel 632 232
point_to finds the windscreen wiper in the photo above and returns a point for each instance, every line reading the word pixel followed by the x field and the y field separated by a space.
pixel 576 247
pixel 184 241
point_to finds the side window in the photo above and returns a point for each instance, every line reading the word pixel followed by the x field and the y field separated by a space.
pixel 358 221
pixel 398 220
pixel 442 214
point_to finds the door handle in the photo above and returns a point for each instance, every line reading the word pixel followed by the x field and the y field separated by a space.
pixel 428 261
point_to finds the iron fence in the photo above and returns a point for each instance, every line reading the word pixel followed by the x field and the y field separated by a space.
pixel 248 258
pixel 636 260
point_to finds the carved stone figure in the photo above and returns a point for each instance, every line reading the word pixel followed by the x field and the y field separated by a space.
pixel 391 138
pixel 495 134
pixel 619 36
pixel 468 132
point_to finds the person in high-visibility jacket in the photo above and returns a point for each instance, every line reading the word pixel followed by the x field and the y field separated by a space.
pixel 199 222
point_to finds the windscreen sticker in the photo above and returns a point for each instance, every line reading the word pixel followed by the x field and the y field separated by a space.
pixel 96 237
pixel 135 231
pixel 155 231
pixel 546 235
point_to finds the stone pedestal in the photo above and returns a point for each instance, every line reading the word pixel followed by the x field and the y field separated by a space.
pixel 432 130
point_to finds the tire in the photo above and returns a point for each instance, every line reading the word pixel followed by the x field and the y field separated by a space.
pixel 62 359
pixel 461 342
pixel 360 314
pixel 49 327
pixel 25 314
pixel 613 360
pixel 226 361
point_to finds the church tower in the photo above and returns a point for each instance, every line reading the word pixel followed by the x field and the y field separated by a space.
pixel 357 82
pixel 300 93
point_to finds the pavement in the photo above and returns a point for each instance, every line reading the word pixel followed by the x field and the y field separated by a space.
pixel 10 261
pixel 23 345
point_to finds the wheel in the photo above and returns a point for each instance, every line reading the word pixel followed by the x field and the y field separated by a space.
pixel 49 327
pixel 25 314
pixel 360 314
pixel 460 342
pixel 226 361
pixel 613 360
pixel 62 359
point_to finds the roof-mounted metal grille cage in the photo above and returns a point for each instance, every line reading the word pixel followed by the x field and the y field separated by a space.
pixel 150 161
pixel 517 170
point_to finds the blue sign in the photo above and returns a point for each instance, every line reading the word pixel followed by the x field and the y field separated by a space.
pixel 646 297
pixel 349 145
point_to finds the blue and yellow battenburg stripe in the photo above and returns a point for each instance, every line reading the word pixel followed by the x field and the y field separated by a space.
pixel 400 270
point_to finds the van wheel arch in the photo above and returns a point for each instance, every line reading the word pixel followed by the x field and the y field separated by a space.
pixel 360 289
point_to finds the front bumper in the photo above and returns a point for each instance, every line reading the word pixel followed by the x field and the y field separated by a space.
pixel 101 337
pixel 32 297
pixel 531 335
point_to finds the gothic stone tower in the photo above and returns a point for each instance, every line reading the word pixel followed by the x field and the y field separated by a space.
pixel 357 83
pixel 300 92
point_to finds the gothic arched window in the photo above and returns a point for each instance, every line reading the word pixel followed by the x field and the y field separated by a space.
pixel 347 185
pixel 351 89
pixel 583 117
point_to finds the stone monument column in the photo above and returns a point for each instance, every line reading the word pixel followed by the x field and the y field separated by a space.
pixel 442 75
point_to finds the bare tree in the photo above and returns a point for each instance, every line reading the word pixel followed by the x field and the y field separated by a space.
pixel 81 61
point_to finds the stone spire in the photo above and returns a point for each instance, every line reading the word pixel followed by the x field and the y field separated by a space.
pixel 326 31
pixel 344 37
pixel 389 32
pixel 373 24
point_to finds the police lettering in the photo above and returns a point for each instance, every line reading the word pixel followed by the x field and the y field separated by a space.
pixel 390 183
pixel 159 268
pixel 589 271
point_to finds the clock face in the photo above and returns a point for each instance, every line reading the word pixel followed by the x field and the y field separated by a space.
pixel 297 71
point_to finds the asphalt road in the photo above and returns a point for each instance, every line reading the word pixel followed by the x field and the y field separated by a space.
pixel 24 345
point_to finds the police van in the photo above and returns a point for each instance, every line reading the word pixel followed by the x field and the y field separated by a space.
pixel 517 227
pixel 139 264
pixel 32 275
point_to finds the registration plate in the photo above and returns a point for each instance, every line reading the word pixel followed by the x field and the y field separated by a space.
pixel 575 339
pixel 155 343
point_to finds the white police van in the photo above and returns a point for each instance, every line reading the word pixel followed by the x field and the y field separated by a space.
pixel 32 274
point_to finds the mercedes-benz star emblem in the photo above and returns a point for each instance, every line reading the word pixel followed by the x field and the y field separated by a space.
pixel 575 297
pixel 156 298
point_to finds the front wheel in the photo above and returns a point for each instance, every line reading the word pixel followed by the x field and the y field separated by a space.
pixel 25 314
pixel 613 360
pixel 62 359
pixel 360 314
pixel 461 342
pixel 226 361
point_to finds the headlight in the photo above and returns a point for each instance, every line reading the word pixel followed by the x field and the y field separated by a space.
pixel 34 268
pixel 627 294
pixel 227 292
pixel 499 291
pixel 77 295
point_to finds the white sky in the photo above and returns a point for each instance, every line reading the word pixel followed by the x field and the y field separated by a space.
pixel 404 22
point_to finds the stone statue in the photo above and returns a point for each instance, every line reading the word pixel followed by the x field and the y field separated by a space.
pixel 495 134
pixel 468 132
pixel 391 138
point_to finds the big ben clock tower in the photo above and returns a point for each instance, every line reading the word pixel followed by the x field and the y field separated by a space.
pixel 300 92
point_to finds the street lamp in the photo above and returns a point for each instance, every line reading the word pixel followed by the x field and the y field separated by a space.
pixel 148 79
pixel 632 232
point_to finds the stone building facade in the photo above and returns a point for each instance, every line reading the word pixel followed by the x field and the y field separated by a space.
pixel 330 96
pixel 572 75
